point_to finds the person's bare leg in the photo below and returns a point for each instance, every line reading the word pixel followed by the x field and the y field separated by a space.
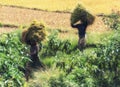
pixel 81 43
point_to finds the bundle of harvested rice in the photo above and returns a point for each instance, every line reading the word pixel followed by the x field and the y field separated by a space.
pixel 23 37
pixel 36 32
pixel 81 14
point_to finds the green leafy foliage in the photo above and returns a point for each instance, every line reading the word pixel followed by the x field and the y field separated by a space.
pixel 108 61
pixel 99 68
pixel 54 44
pixel 12 57
pixel 112 20
pixel 1 24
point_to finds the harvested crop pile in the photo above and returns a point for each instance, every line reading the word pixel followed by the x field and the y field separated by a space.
pixel 36 32
pixel 81 14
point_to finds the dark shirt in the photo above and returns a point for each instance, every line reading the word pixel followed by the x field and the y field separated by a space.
pixel 81 29
pixel 34 50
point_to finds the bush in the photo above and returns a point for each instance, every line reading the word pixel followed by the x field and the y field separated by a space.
pixel 99 68
pixel 13 55
pixel 54 44
pixel 81 14
pixel 61 81
pixel 1 24
pixel 112 20
pixel 108 62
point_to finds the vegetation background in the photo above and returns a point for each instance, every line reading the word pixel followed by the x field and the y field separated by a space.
pixel 66 66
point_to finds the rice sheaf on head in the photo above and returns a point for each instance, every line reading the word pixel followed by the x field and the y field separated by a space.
pixel 81 14
pixel 36 32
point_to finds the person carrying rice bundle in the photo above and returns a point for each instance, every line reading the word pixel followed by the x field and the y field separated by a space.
pixel 33 36
pixel 80 19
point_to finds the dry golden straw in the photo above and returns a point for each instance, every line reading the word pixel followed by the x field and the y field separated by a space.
pixel 81 14
pixel 36 32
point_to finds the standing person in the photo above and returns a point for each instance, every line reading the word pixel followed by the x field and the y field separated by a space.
pixel 86 18
pixel 34 35
pixel 34 50
pixel 34 54
pixel 35 62
pixel 81 31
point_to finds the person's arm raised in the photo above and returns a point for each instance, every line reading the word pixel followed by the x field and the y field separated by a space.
pixel 75 25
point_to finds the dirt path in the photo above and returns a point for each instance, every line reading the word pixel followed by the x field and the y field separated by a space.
pixel 18 16
pixel 12 15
